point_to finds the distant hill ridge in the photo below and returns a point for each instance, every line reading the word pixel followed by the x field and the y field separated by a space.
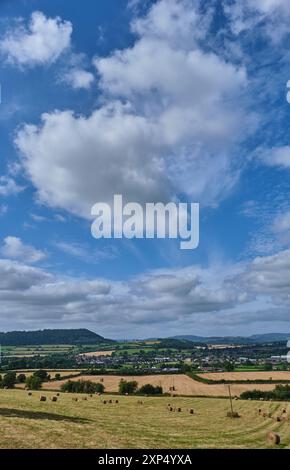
pixel 39 337
pixel 254 339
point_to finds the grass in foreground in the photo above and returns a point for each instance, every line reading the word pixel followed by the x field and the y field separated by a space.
pixel 25 422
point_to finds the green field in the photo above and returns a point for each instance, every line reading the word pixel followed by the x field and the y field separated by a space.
pixel 43 350
pixel 48 349
pixel 25 422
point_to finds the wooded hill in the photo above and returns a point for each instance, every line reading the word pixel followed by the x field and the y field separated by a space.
pixel 70 336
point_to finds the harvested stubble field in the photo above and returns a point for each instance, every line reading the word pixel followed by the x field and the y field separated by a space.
pixel 52 373
pixel 183 385
pixel 274 375
pixel 26 422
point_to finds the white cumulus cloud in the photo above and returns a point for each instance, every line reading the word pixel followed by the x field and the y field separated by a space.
pixel 41 42
pixel 78 78
pixel 14 248
pixel 168 124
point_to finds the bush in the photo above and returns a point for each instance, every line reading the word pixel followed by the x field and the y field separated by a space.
pixel 281 392
pixel 127 387
pixel 33 382
pixel 82 386
pixel 57 376
pixel 149 389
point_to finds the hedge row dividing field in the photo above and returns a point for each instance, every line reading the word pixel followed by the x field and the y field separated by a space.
pixel 179 384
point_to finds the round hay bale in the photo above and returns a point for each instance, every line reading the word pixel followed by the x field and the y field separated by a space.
pixel 260 411
pixel 233 414
pixel 54 399
pixel 116 401
pixel 170 408
pixel 110 401
pixel 75 399
pixel 191 411
pixel 42 398
pixel 29 394
pixel 264 415
pixel 58 394
pixel 273 438
pixel 284 411
pixel 105 402
pixel 278 419
pixel 178 410
pixel 84 398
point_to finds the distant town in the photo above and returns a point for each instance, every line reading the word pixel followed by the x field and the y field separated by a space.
pixel 87 350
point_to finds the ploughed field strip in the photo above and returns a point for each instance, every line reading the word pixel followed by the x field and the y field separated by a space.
pixel 179 384
pixel 84 421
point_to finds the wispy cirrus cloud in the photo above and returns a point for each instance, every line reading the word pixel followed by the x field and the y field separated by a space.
pixel 9 187
pixel 86 254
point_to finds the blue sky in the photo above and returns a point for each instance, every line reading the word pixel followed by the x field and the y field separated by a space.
pixel 158 101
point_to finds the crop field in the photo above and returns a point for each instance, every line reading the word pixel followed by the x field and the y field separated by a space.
pixel 271 375
pixel 26 422
pixel 183 385
pixel 30 351
pixel 97 353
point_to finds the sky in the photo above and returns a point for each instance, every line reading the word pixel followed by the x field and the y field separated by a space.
pixel 159 101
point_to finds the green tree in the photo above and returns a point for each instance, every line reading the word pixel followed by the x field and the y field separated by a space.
pixel 33 382
pixel 100 388
pixel 149 389
pixel 42 375
pixel 9 380
pixel 21 378
pixel 127 387
pixel 229 366
pixel 82 386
